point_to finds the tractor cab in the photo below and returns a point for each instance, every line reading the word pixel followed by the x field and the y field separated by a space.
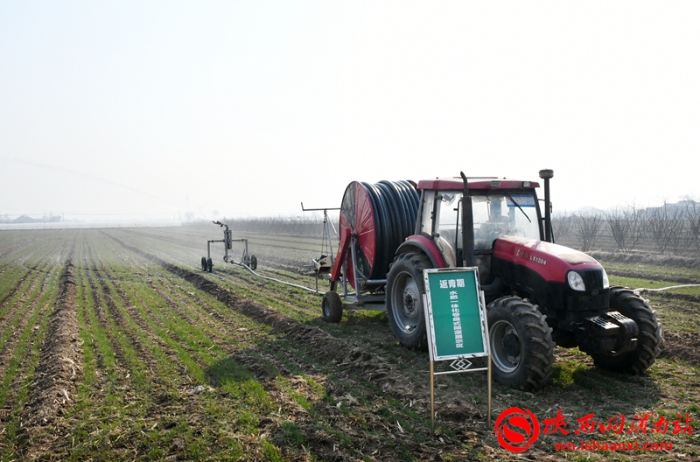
pixel 498 208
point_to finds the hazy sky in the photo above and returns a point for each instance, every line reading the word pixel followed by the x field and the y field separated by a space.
pixel 138 109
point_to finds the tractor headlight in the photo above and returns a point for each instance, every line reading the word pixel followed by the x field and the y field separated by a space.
pixel 576 281
pixel 606 281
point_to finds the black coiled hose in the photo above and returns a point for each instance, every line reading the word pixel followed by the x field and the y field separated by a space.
pixel 395 205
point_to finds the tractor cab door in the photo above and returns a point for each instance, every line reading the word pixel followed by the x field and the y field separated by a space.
pixel 447 232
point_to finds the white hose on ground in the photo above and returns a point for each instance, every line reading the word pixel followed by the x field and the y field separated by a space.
pixel 308 289
pixel 638 291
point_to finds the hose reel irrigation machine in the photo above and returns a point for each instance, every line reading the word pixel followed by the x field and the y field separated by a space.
pixel 537 293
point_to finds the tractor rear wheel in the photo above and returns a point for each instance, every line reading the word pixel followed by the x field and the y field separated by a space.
pixel 650 337
pixel 521 343
pixel 332 307
pixel 404 299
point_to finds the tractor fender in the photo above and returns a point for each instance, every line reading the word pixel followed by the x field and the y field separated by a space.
pixel 424 244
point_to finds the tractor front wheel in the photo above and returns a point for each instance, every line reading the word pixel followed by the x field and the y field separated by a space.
pixel 650 337
pixel 521 344
pixel 404 300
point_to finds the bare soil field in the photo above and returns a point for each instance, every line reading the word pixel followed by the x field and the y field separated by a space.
pixel 115 345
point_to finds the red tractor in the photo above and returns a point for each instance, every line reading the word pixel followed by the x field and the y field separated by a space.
pixel 538 293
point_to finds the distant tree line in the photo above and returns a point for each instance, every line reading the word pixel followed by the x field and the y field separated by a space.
pixel 294 226
pixel 670 228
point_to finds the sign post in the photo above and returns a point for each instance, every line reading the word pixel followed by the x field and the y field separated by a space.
pixel 455 314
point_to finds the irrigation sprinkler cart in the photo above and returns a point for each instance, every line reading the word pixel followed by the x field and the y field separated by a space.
pixel 247 260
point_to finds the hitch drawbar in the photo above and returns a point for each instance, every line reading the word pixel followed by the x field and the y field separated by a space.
pixel 608 332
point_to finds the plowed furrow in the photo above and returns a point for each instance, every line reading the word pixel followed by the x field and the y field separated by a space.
pixel 59 369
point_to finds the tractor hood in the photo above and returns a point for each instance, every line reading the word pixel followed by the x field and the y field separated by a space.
pixel 551 261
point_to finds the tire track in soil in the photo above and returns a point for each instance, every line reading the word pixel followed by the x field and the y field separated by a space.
pixel 348 358
pixel 59 370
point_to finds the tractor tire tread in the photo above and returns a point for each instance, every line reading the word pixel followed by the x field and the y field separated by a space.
pixel 535 368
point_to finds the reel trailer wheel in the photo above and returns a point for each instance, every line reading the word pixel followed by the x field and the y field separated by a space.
pixel 332 307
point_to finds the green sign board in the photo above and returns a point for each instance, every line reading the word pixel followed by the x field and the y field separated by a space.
pixel 456 314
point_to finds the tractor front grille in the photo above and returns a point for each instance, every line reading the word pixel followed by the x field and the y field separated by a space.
pixel 593 279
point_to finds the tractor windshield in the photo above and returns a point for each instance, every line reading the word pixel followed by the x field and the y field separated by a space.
pixel 495 214
pixel 501 214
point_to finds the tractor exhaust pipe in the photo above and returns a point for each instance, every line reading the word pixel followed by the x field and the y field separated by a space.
pixel 546 175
